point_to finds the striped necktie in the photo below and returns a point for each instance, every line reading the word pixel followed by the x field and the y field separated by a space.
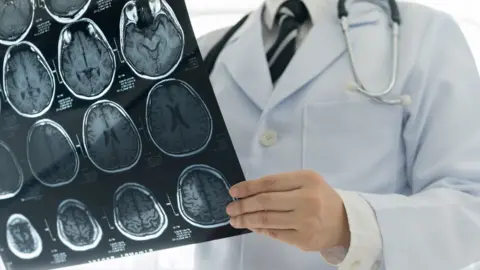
pixel 290 16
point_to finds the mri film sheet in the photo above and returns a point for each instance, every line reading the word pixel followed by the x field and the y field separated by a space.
pixel 112 141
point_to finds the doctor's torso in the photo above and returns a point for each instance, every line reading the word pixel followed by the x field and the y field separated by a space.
pixel 311 120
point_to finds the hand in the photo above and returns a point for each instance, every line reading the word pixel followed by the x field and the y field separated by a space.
pixel 298 208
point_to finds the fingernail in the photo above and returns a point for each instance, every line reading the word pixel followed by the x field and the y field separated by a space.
pixel 234 191
pixel 230 209
pixel 233 222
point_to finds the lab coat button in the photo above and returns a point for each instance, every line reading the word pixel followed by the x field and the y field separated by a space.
pixel 269 138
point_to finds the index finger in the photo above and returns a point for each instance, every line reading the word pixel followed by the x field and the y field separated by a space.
pixel 270 183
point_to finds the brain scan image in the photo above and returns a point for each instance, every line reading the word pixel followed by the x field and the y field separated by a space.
pixel 138 215
pixel 76 226
pixel 202 196
pixel 23 239
pixel 110 137
pixel 178 121
pixel 66 11
pixel 16 20
pixel 11 173
pixel 86 60
pixel 51 154
pixel 28 81
pixel 151 38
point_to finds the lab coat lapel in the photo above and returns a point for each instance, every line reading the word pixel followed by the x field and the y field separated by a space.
pixel 322 47
pixel 245 60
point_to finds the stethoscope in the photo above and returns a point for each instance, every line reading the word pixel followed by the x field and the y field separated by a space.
pixel 404 100
pixel 359 86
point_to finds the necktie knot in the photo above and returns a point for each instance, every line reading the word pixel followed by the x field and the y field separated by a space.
pixel 293 10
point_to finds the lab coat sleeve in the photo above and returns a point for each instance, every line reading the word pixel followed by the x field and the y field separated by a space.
pixel 438 227
pixel 365 240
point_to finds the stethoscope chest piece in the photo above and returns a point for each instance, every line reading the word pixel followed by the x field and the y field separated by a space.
pixel 404 100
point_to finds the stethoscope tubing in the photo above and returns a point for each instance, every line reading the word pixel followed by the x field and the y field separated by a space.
pixel 396 21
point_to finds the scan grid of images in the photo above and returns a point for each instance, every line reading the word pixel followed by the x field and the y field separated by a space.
pixel 177 121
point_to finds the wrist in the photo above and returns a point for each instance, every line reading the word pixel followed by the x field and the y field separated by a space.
pixel 345 235
pixel 338 248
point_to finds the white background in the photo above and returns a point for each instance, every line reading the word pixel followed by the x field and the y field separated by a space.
pixel 208 15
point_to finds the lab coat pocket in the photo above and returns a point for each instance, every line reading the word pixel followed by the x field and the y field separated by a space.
pixel 345 137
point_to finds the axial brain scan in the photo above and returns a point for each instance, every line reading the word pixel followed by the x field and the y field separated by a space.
pixel 29 83
pixel 10 172
pixel 66 11
pixel 138 215
pixel 76 226
pixel 51 154
pixel 178 121
pixel 23 239
pixel 86 61
pixel 151 38
pixel 203 196
pixel 16 19
pixel 111 139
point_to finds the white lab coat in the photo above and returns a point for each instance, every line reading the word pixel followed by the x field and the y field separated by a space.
pixel 417 166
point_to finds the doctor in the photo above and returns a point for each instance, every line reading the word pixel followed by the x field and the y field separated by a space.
pixel 338 179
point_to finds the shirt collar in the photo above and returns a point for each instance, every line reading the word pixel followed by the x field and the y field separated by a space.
pixel 314 8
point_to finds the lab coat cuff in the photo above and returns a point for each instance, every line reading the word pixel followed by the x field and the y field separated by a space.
pixel 365 240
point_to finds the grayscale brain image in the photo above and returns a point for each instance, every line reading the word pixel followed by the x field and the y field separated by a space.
pixel 151 38
pixel 23 239
pixel 77 228
pixel 178 121
pixel 203 196
pixel 110 137
pixel 11 173
pixel 138 215
pixel 51 154
pixel 29 83
pixel 16 20
pixel 66 11
pixel 86 60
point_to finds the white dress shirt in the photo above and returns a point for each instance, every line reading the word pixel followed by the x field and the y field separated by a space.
pixel 365 245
